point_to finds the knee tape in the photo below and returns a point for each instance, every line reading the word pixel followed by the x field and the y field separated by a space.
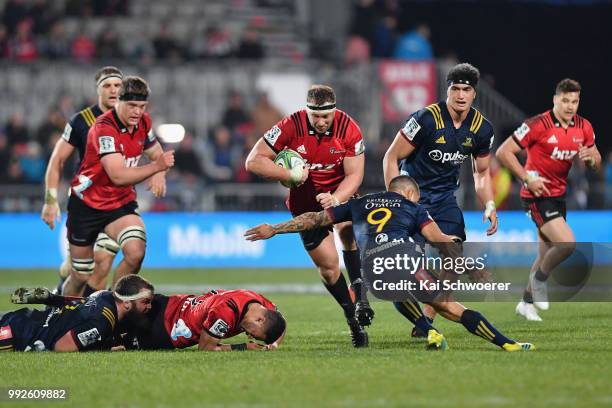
pixel 130 233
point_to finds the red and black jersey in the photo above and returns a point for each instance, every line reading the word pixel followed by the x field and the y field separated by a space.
pixel 551 148
pixel 218 313
pixel 109 136
pixel 323 152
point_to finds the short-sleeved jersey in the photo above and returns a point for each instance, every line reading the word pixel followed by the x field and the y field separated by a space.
pixel 381 217
pixel 90 322
pixel 217 312
pixel 109 136
pixel 551 148
pixel 441 149
pixel 324 153
pixel 78 126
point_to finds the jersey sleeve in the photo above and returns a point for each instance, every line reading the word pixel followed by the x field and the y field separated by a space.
pixel 418 127
pixel 527 134
pixel 354 143
pixel 484 140
pixel 219 321
pixel 589 134
pixel 95 334
pixel 341 212
pixel 105 140
pixel 279 136
pixel 72 129
pixel 150 139
pixel 422 217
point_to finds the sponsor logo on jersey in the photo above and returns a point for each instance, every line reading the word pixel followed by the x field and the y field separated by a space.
pixel 552 139
pixel 333 150
pixel 301 149
pixel 441 140
pixel 131 161
pixel 321 167
pixel 107 144
pixel 521 131
pixel 411 128
pixel 468 142
pixel 551 213
pixel 219 328
pixel 558 154
pixel 456 157
pixel 180 329
pixel 381 238
pixel 272 135
pixel 89 337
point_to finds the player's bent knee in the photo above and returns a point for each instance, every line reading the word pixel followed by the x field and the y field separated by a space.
pixel 83 266
pixel 131 233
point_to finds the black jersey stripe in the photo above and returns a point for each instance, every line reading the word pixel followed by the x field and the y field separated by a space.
pixel 344 122
pixel 296 122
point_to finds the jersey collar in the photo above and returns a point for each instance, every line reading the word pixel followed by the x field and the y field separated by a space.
pixel 313 132
pixel 557 122
pixel 95 109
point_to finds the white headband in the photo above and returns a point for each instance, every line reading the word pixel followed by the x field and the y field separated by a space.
pixel 109 76
pixel 140 295
pixel 321 109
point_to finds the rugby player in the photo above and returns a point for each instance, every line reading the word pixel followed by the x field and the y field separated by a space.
pixel 552 139
pixel 102 196
pixel 181 321
pixel 396 216
pixel 80 325
pixel 331 143
pixel 432 146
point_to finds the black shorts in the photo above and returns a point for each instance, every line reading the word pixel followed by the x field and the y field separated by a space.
pixel 543 209
pixel 85 223
pixel 313 238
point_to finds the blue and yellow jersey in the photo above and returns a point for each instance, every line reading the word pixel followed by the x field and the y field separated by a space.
pixel 77 128
pixel 441 149
pixel 91 323
pixel 381 217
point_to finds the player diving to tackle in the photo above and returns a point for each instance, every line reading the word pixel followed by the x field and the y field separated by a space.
pixel 331 143
pixel 397 214
pixel 431 148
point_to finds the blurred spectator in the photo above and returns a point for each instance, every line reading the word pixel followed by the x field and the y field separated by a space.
pixel 385 37
pixel 14 12
pixel 16 131
pixel 56 44
pixel 4 42
pixel 42 15
pixel 23 46
pixel 33 163
pixel 83 48
pixel 5 156
pixel 415 44
pixel 235 113
pixel 79 8
pixel 187 162
pixel 364 19
pixel 14 173
pixel 54 122
pixel 221 156
pixel 214 43
pixel 357 51
pixel 265 115
pixel 250 47
pixel 111 7
pixel 165 46
pixel 108 46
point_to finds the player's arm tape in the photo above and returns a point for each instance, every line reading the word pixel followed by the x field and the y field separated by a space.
pixel 238 347
pixel 489 208
pixel 51 196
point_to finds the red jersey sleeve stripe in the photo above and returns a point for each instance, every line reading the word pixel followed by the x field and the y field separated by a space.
pixel 406 137
pixel 271 146
pixel 518 142
pixel 426 223
pixel 330 213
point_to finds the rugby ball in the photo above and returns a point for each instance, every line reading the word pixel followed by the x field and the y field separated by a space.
pixel 291 160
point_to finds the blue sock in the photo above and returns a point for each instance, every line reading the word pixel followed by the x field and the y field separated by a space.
pixel 477 324
pixel 412 311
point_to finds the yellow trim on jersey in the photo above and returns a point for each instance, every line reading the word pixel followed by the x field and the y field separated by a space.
pixel 9 347
pixel 109 316
pixel 441 140
pixel 437 114
pixel 88 116
pixel 476 121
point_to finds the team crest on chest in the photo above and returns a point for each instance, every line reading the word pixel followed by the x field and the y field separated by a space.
pixel 468 142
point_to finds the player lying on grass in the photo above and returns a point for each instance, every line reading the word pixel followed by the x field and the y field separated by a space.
pixel 397 214
pixel 181 321
pixel 77 325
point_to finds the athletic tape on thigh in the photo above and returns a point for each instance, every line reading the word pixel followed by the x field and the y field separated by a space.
pixel 83 265
pixel 106 243
pixel 132 232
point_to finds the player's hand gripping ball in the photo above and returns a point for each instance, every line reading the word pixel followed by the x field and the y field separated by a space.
pixel 292 161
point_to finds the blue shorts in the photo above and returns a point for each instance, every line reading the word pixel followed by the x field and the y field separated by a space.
pixel 446 213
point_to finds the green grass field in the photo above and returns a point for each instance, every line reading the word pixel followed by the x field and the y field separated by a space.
pixel 318 366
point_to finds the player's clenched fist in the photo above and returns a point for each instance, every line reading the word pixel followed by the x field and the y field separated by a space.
pixel 166 160
pixel 327 200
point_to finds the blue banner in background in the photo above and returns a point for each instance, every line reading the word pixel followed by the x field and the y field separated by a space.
pixel 201 240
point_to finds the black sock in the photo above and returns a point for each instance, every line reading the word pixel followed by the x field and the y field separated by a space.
pixel 88 290
pixel 541 276
pixel 340 292
pixel 527 298
pixel 477 324
pixel 412 311
pixel 353 267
